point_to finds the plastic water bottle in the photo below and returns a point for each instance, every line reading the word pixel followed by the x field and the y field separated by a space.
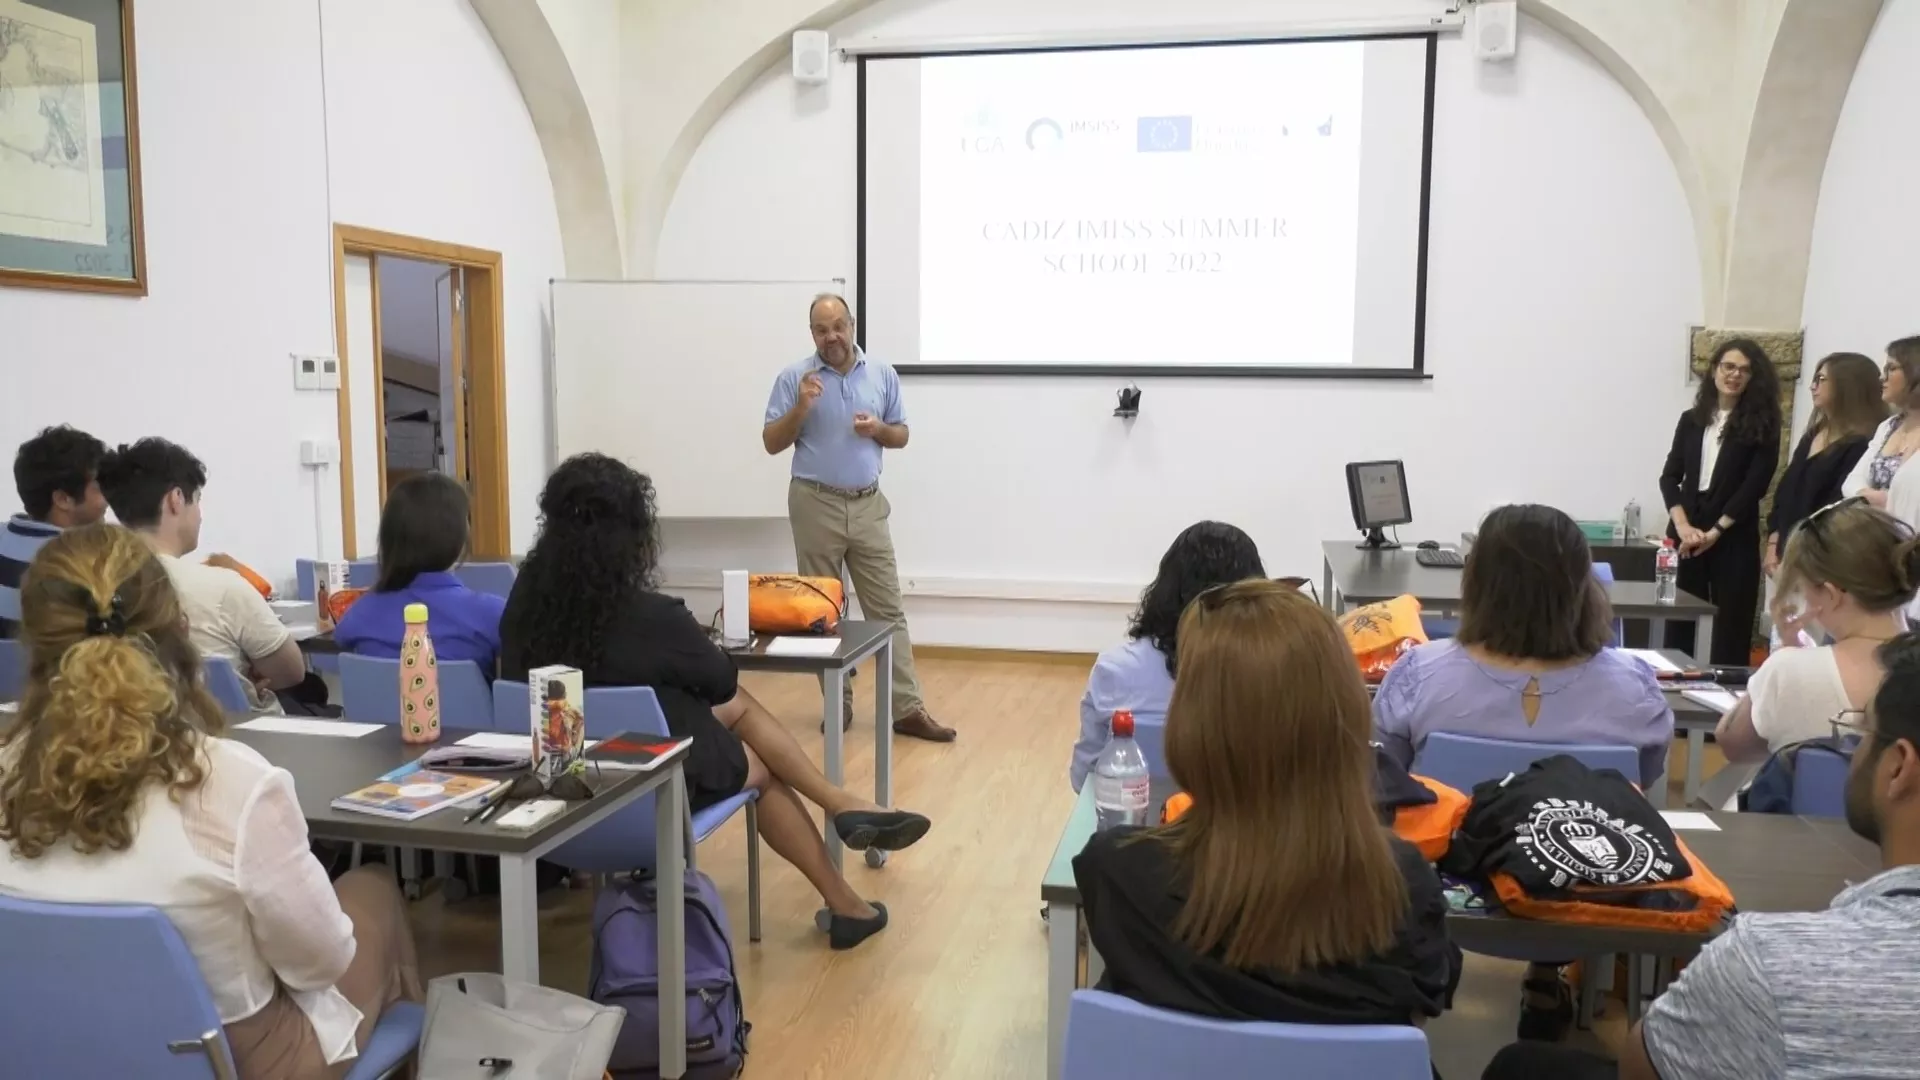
pixel 1120 783
pixel 419 680
pixel 1630 521
pixel 1666 573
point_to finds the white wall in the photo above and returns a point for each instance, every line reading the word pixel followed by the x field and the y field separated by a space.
pixel 430 137
pixel 235 183
pixel 1863 278
pixel 1561 283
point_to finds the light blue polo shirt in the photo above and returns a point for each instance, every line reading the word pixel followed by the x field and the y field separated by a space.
pixel 827 451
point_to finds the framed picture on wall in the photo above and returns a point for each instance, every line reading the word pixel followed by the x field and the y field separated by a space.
pixel 70 147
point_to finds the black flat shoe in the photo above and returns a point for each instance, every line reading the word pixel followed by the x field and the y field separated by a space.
pixel 888 830
pixel 844 932
pixel 1545 1023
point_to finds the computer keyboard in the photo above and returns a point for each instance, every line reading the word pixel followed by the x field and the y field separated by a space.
pixel 1441 559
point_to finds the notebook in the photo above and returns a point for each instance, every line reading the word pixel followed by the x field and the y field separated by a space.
pixel 411 792
pixel 636 753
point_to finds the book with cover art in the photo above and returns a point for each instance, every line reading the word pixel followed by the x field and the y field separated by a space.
pixel 411 792
pixel 638 753
pixel 559 700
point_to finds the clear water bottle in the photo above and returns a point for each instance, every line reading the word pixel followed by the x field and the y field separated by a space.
pixel 1666 573
pixel 1630 521
pixel 1120 782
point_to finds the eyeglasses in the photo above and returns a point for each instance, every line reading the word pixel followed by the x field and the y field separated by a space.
pixel 1818 378
pixel 1733 370
pixel 1849 729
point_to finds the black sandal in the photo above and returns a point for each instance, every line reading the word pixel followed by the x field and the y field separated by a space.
pixel 888 830
pixel 1545 1023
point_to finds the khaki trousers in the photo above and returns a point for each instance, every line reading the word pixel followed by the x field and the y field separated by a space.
pixel 836 536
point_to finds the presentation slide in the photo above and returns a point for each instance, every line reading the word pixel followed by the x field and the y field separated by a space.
pixel 1238 206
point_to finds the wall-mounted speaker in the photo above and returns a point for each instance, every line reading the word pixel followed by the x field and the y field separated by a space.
pixel 810 55
pixel 1496 29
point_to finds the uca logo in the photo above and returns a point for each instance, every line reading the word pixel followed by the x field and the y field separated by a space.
pixel 1575 842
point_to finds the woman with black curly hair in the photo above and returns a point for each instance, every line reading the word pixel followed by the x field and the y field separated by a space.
pixel 1725 449
pixel 1138 676
pixel 586 597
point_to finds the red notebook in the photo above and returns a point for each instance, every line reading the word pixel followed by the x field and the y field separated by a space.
pixel 639 753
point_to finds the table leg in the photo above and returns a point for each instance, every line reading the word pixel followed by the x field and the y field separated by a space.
pixel 670 871
pixel 1696 765
pixel 833 687
pixel 883 724
pixel 519 920
pixel 1063 961
pixel 1656 633
pixel 1326 586
pixel 1703 641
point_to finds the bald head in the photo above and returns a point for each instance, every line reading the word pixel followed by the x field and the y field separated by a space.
pixel 832 326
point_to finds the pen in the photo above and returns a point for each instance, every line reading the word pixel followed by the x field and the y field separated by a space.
pixel 486 809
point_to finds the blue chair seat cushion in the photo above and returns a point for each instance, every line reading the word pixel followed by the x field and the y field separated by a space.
pixel 394 1038
pixel 708 819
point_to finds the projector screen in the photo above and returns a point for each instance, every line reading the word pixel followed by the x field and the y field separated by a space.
pixel 1249 209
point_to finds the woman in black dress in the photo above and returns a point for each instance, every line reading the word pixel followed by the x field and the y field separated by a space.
pixel 586 598
pixel 1724 452
pixel 1847 410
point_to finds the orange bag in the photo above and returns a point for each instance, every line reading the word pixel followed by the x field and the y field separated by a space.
pixel 228 562
pixel 1429 828
pixel 338 603
pixel 792 604
pixel 1698 903
pixel 1379 634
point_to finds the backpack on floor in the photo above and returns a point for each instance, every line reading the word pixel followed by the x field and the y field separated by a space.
pixel 626 973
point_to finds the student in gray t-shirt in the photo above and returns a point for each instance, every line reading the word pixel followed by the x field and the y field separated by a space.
pixel 1805 996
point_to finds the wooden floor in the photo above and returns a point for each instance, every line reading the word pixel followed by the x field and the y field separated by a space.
pixel 954 988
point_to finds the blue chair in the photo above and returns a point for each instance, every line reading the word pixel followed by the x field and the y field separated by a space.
pixel 111 990
pixel 1461 761
pixel 227 687
pixel 1437 627
pixel 624 842
pixel 361 574
pixel 1820 782
pixel 493 578
pixel 370 692
pixel 1110 1037
pixel 1152 740
pixel 13 669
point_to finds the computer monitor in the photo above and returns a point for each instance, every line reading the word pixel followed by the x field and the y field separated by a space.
pixel 1377 491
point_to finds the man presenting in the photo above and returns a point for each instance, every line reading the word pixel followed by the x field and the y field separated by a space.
pixel 839 410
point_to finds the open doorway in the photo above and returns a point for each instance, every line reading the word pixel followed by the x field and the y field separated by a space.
pixel 418 330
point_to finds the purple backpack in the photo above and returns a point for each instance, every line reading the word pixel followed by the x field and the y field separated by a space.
pixel 626 973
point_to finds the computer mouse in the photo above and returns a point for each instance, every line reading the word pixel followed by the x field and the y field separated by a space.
pixel 1429 545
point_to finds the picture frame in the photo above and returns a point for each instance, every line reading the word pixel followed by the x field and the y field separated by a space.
pixel 70 210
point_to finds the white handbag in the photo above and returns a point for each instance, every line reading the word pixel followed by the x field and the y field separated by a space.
pixel 482 1026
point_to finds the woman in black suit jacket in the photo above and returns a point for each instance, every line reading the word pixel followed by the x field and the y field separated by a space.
pixel 1847 410
pixel 1724 452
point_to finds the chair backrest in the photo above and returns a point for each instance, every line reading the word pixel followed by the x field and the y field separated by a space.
pixel 1461 761
pixel 625 840
pixel 361 574
pixel 1110 1037
pixel 1820 782
pixel 13 669
pixel 370 692
pixel 1152 739
pixel 494 578
pixel 102 990
pixel 226 685
pixel 1603 572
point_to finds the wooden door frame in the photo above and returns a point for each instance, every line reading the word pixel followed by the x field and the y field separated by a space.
pixel 485 367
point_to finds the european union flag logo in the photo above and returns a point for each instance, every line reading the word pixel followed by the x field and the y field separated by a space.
pixel 1164 134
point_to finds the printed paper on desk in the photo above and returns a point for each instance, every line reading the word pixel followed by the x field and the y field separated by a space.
pixel 803 646
pixel 293 725
pixel 1720 701
pixel 1654 660
pixel 1689 819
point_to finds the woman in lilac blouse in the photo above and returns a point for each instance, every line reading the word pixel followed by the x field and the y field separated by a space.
pixel 1138 675
pixel 1531 662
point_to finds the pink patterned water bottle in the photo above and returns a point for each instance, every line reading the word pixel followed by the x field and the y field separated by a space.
pixel 419 680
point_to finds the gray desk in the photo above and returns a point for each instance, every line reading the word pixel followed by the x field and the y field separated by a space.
pixel 1353 576
pixel 1771 862
pixel 325 767
pixel 859 639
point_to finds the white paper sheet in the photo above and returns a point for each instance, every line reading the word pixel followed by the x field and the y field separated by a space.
pixel 294 725
pixel 500 740
pixel 1717 699
pixel 1654 659
pixel 803 646
pixel 1689 819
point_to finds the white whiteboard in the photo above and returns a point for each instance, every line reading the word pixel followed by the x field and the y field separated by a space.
pixel 672 377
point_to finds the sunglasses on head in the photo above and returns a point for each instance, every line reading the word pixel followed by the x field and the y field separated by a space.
pixel 1818 517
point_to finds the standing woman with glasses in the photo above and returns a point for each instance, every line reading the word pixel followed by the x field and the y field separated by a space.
pixel 1899 435
pixel 1847 412
pixel 1850 570
pixel 1724 451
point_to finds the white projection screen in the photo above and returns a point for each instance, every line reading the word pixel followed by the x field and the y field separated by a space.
pixel 1245 208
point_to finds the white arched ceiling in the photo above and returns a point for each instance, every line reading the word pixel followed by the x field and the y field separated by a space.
pixel 1744 94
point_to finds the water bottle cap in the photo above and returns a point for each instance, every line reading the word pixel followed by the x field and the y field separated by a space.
pixel 1123 724
pixel 415 613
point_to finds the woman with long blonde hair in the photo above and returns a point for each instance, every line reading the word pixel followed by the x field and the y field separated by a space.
pixel 116 787
pixel 1278 895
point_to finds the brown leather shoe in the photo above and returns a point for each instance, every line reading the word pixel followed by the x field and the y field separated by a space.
pixel 917 724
